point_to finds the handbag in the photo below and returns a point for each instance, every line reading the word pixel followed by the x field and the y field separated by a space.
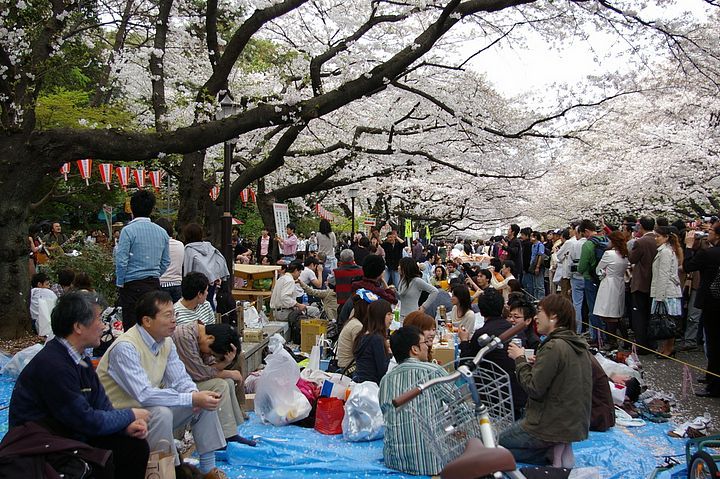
pixel 662 325
pixel 161 463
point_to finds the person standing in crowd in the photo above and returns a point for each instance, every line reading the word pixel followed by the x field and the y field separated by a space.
pixel 141 368
pixel 564 260
pixel 558 385
pixel 345 275
pixel 56 237
pixel 393 247
pixel 202 257
pixel 312 243
pixel 375 247
pixel 266 248
pixel 610 301
pixel 38 254
pixel 142 256
pixel 289 244
pixel 70 402
pixel 641 256
pixel 411 287
pixel 406 448
pixel 665 285
pixel 417 251
pixel 537 268
pixel 371 349
pixel 526 276
pixel 577 280
pixel 172 278
pixel 361 250
pixel 327 242
pixel 513 249
pixel 586 267
pixel 707 262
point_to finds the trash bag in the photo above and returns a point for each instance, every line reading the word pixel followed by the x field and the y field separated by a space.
pixel 15 366
pixel 278 401
pixel 329 416
pixel 363 419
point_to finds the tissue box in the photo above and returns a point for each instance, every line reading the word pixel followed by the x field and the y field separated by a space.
pixel 253 335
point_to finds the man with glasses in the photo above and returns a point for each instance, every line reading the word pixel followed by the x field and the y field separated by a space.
pixel 406 449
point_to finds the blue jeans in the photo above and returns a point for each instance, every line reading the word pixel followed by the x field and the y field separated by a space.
pixel 524 447
pixel 578 296
pixel 591 290
pixel 392 276
pixel 538 283
pixel 527 283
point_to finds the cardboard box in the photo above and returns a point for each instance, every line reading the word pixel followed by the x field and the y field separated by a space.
pixel 249 402
pixel 253 335
pixel 309 330
pixel 444 355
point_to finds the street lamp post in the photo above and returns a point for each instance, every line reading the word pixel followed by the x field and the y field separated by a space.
pixel 227 109
pixel 352 193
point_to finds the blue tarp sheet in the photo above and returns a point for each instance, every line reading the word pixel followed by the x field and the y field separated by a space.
pixel 294 452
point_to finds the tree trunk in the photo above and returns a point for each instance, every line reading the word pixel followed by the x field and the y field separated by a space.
pixel 265 208
pixel 20 182
pixel 193 190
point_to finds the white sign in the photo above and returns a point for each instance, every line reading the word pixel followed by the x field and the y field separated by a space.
pixel 282 218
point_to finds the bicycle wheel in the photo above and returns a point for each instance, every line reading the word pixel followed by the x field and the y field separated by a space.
pixel 702 466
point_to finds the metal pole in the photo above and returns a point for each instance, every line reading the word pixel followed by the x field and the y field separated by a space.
pixel 226 235
pixel 352 203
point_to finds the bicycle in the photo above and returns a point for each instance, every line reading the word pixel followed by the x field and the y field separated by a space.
pixel 460 431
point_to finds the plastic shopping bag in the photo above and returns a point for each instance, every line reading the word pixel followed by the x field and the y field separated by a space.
pixel 363 419
pixel 329 416
pixel 21 358
pixel 278 400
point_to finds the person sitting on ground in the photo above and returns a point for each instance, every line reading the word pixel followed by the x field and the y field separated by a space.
pixel 491 306
pixel 479 283
pixel 284 297
pixel 82 282
pixel 406 448
pixel 558 384
pixel 327 296
pixel 194 306
pixel 142 369
pixel 60 391
pixel 372 280
pixel 439 278
pixel 207 352
pixel 426 324
pixel 64 283
pixel 345 274
pixel 461 314
pixel 602 412
pixel 40 292
pixel 358 318
pixel 371 349
pixel 522 310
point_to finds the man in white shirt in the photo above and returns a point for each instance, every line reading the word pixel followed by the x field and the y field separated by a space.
pixel 564 261
pixel 194 306
pixel 172 277
pixel 284 295
pixel 42 301
pixel 577 282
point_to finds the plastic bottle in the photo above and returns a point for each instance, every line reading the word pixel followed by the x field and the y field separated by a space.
pixel 304 298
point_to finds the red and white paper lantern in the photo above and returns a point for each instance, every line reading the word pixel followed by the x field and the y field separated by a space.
pixel 64 170
pixel 123 174
pixel 155 179
pixel 214 192
pixel 139 176
pixel 106 170
pixel 85 167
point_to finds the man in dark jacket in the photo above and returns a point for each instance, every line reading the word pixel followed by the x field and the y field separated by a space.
pixel 60 390
pixel 393 247
pixel 641 256
pixel 514 250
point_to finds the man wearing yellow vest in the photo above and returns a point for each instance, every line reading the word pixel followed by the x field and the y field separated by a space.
pixel 142 369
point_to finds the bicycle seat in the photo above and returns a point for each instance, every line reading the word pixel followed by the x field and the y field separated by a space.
pixel 478 461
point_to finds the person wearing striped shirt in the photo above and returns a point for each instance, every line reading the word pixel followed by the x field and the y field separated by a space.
pixel 406 448
pixel 194 306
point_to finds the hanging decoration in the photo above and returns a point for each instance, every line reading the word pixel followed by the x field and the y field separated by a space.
pixel 123 174
pixel 139 176
pixel 106 170
pixel 248 194
pixel 85 167
pixel 65 169
pixel 155 179
pixel 323 213
pixel 215 192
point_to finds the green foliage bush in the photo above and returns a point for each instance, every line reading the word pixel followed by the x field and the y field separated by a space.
pixel 95 260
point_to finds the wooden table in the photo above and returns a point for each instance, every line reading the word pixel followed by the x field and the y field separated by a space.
pixel 249 273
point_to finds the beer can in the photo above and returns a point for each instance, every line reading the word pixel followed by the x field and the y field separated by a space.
pixel 517 342
pixel 442 311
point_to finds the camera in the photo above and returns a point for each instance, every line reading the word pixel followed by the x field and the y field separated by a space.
pixel 701 234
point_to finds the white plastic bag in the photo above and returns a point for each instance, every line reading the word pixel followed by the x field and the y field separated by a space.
pixel 612 368
pixel 363 420
pixel 278 401
pixel 314 362
pixel 18 362
pixel 45 307
pixel 275 343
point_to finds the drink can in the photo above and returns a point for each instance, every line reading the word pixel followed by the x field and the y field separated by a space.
pixel 517 342
pixel 442 311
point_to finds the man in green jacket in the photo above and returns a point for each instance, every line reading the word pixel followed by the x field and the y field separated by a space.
pixel 586 266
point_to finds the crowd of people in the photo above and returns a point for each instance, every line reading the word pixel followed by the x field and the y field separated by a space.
pixel 576 288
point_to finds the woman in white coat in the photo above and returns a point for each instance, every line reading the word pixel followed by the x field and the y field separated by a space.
pixel 665 286
pixel 610 301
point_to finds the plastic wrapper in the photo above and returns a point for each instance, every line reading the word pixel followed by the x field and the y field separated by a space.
pixel 612 368
pixel 363 419
pixel 15 366
pixel 275 343
pixel 278 401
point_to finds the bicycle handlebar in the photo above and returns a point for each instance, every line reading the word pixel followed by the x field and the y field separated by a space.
pixel 504 337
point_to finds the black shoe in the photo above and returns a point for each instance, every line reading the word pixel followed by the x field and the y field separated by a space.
pixel 706 394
